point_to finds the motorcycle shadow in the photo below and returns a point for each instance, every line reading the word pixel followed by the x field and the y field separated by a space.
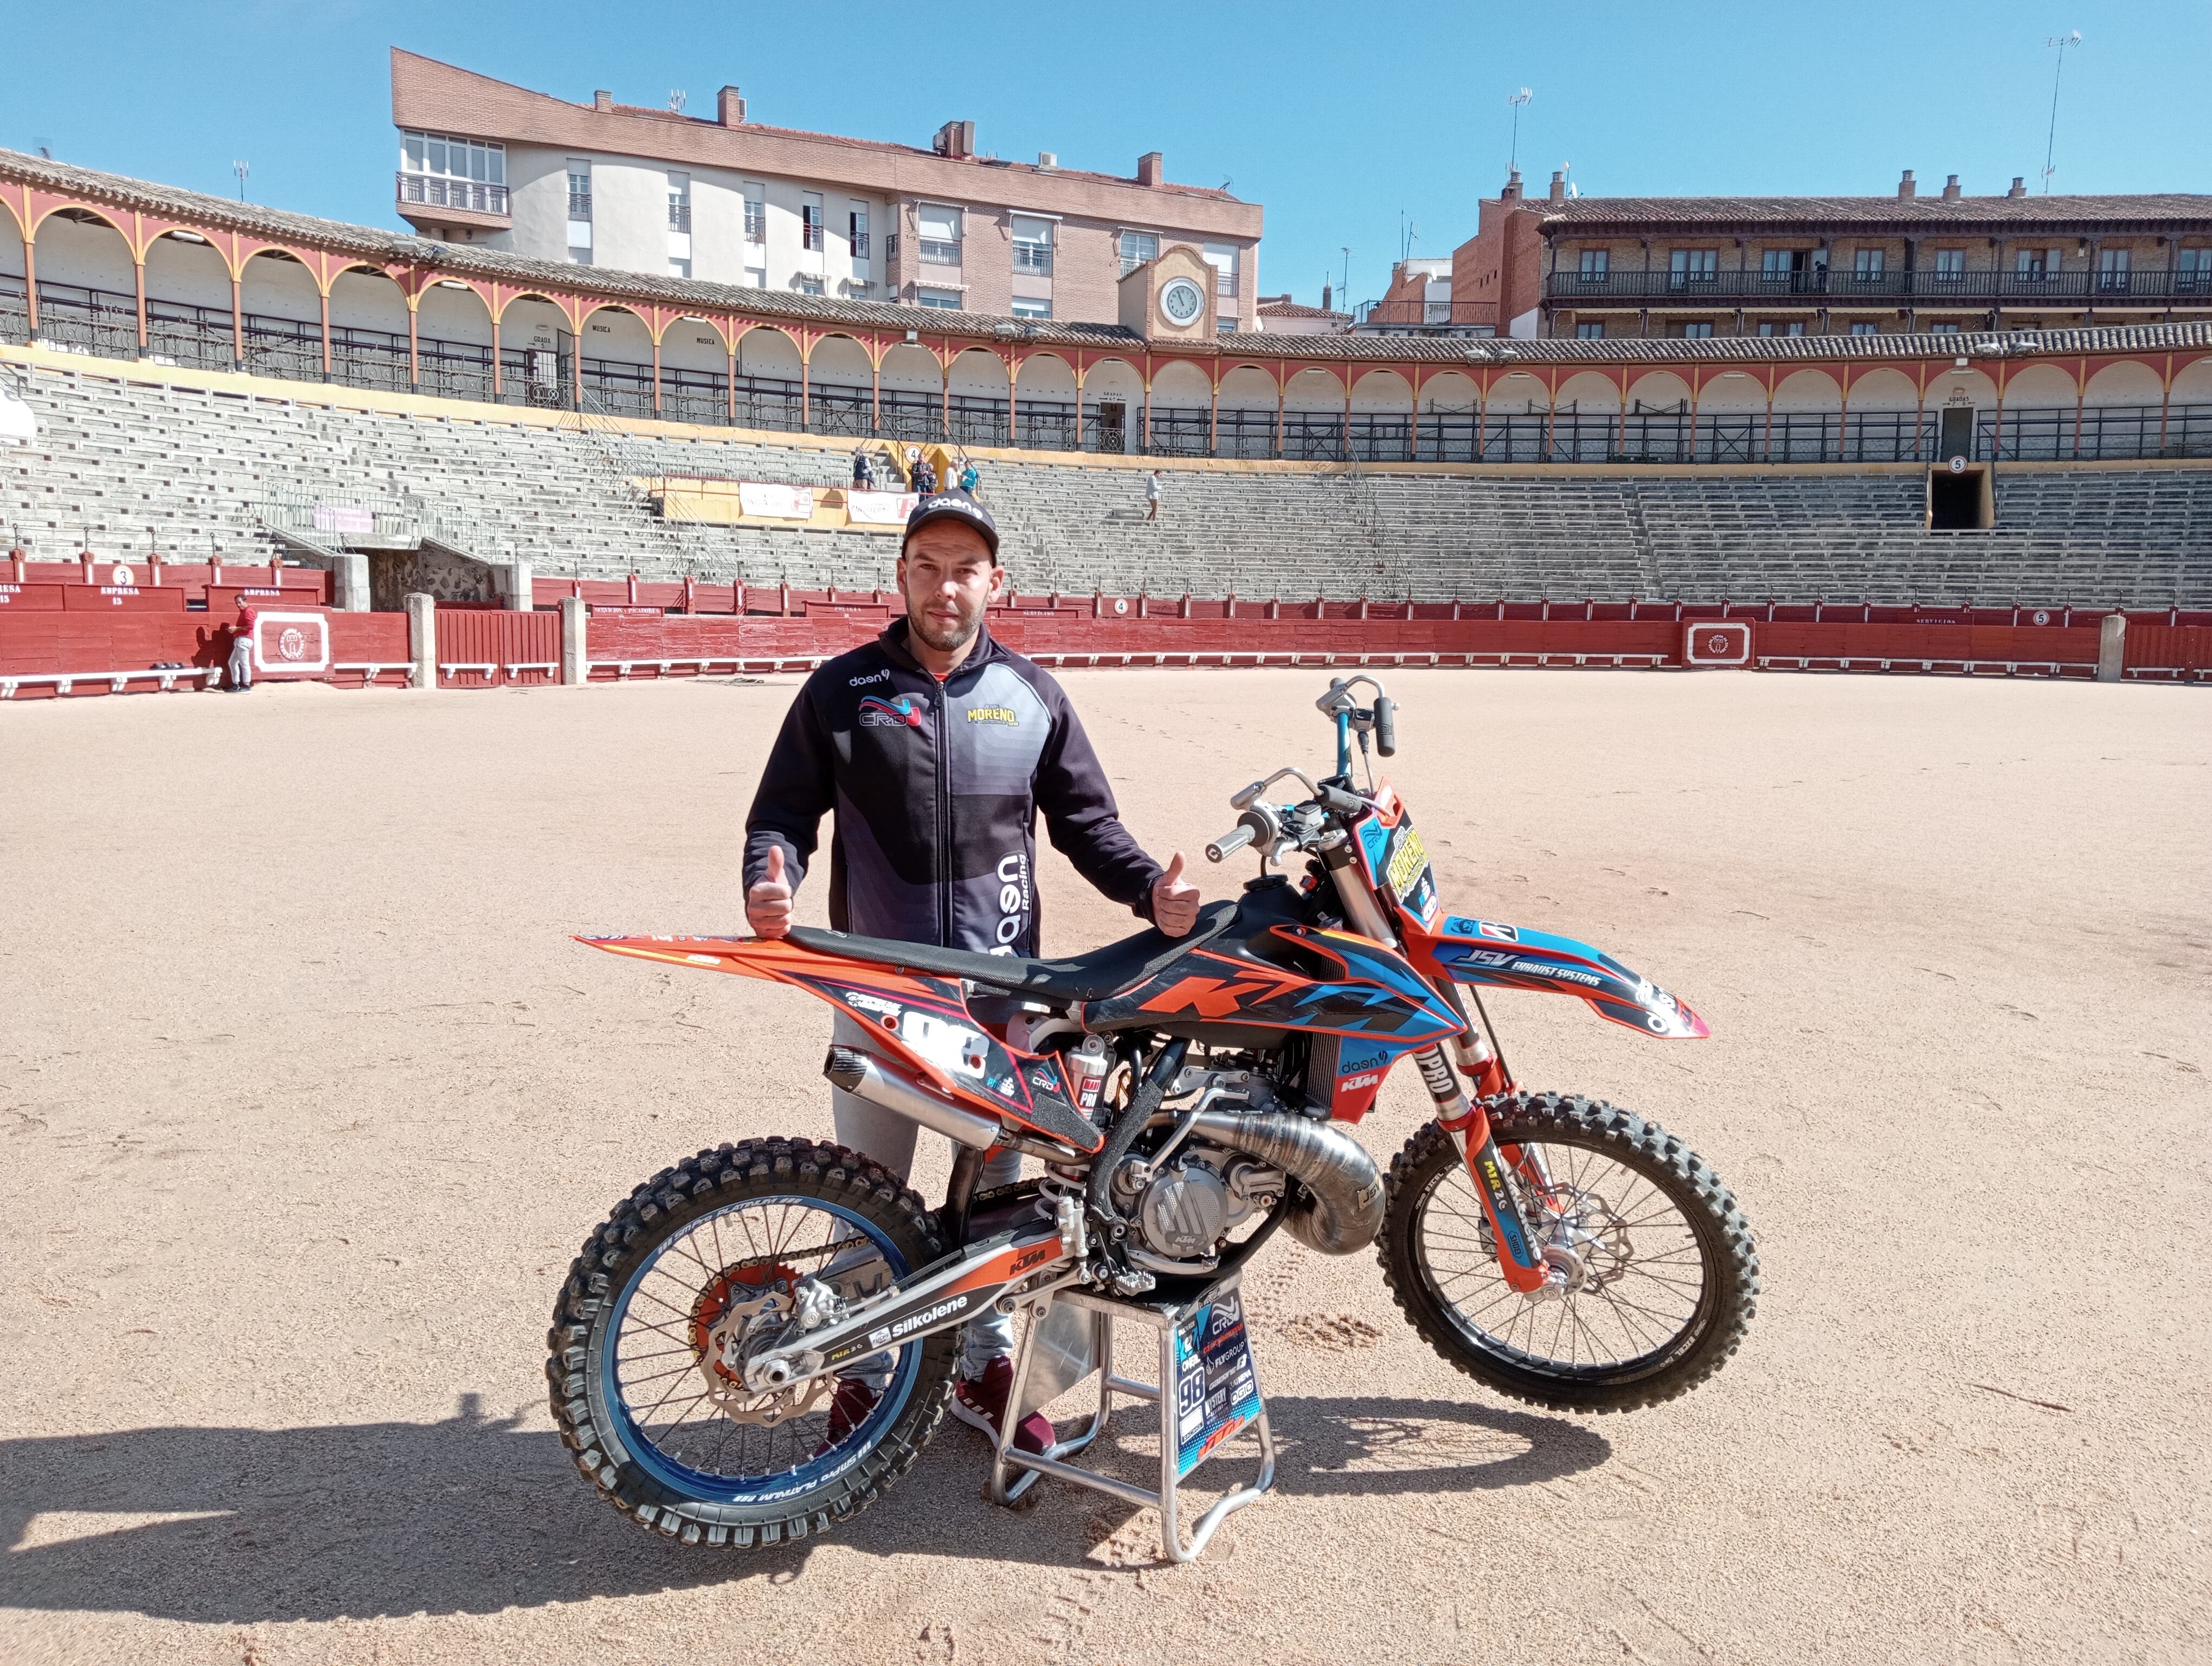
pixel 474 1514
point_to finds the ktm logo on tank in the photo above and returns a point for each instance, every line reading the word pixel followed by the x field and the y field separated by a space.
pixel 1210 997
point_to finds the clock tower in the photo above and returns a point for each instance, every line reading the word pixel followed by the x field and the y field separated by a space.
pixel 1171 297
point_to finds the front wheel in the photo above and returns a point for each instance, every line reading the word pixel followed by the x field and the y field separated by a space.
pixel 691 1273
pixel 1662 1277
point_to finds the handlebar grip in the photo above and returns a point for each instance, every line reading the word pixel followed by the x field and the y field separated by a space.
pixel 1386 725
pixel 1229 843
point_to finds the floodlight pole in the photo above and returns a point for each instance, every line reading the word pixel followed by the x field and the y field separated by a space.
pixel 2050 140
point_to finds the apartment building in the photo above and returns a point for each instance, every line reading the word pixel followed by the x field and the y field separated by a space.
pixel 1597 267
pixel 731 201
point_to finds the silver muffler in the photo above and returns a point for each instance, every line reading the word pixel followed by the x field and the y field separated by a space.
pixel 864 1076
pixel 1343 1208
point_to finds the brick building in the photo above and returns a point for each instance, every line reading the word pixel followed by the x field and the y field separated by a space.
pixel 730 200
pixel 1598 267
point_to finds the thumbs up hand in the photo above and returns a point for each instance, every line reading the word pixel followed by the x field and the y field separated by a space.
pixel 1175 900
pixel 768 904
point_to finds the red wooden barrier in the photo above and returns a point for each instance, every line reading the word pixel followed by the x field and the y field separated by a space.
pixel 489 650
pixel 2178 650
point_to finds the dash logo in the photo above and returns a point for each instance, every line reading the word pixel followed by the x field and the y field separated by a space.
pixel 878 713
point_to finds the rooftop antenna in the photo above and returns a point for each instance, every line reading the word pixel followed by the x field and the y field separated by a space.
pixel 1345 290
pixel 241 169
pixel 1516 100
pixel 2061 42
pixel 675 99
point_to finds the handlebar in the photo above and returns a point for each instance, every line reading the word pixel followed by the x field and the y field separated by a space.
pixel 1229 843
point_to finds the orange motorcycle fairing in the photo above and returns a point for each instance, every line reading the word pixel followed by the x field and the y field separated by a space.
pixel 923 1022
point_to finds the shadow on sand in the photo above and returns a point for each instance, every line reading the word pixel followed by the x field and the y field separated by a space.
pixel 473 1515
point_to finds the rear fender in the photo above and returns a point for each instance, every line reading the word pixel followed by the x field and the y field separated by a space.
pixel 1486 953
pixel 920 1022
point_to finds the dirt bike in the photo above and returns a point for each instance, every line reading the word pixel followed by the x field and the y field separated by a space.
pixel 759 1340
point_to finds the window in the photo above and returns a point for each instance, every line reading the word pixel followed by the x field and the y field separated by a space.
pixel 1594 262
pixel 1863 327
pixel 1698 329
pixel 580 192
pixel 2193 271
pixel 1138 247
pixel 1943 329
pixel 679 267
pixel 1028 307
pixel 2112 269
pixel 679 203
pixel 1224 326
pixel 940 234
pixel 1686 266
pixel 1590 331
pixel 856 230
pixel 1867 264
pixel 808 285
pixel 756 196
pixel 945 301
pixel 1795 327
pixel 453 159
pixel 1032 246
pixel 1781 265
pixel 447 173
pixel 1222 257
pixel 811 234
pixel 1950 266
pixel 2036 265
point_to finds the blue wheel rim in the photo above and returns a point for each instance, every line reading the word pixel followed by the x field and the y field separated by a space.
pixel 787 1481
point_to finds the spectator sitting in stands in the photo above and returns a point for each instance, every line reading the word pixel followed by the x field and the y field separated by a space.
pixel 241 652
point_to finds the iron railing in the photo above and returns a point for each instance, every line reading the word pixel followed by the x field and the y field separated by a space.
pixel 579 205
pixel 938 251
pixel 435 191
pixel 755 221
pixel 1033 257
pixel 1821 285
pixel 679 216
pixel 103 324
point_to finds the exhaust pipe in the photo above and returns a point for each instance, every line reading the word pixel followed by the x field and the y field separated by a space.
pixel 863 1076
pixel 1343 1208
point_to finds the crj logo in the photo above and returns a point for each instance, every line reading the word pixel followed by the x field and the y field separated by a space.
pixel 878 713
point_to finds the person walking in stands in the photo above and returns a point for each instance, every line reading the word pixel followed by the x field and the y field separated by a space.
pixel 1152 495
pixel 864 470
pixel 968 476
pixel 241 652
pixel 935 748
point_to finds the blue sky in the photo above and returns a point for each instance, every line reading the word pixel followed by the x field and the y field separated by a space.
pixel 1339 117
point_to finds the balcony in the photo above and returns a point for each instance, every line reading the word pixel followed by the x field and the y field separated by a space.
pixel 434 199
pixel 1224 282
pixel 938 251
pixel 679 216
pixel 1033 259
pixel 580 204
pixel 860 246
pixel 755 222
pixel 1831 288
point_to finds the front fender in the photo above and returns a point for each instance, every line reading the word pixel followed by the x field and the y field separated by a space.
pixel 1484 952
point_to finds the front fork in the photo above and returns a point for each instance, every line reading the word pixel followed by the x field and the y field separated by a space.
pixel 1465 1120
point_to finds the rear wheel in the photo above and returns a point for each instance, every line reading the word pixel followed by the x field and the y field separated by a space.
pixel 691 1271
pixel 1663 1276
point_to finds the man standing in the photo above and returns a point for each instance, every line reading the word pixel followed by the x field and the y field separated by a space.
pixel 864 471
pixel 936 749
pixel 1152 495
pixel 241 652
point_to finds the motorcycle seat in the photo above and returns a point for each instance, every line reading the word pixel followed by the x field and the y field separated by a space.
pixel 1092 975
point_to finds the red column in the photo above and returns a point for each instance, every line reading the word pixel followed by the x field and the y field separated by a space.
pixel 656 375
pixel 139 279
pixel 805 392
pixel 31 281
pixel 414 343
pixel 875 389
pixel 497 384
pixel 1213 417
pixel 322 295
pixel 237 321
pixel 1013 369
pixel 730 384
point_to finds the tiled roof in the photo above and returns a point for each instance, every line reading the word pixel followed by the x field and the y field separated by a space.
pixel 2028 213
pixel 892 147
pixel 1293 309
pixel 374 244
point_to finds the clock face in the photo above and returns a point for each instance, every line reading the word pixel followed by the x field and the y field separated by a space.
pixel 1181 300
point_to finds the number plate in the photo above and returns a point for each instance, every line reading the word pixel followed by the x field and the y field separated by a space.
pixel 1217 1390
pixel 1407 873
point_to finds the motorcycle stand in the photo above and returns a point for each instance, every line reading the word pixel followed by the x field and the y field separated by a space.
pixel 1207 1394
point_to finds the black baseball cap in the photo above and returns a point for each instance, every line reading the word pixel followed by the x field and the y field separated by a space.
pixel 953 506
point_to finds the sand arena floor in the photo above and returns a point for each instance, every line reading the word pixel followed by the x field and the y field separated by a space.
pixel 305 1100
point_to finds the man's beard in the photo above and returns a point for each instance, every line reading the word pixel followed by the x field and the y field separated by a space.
pixel 943 638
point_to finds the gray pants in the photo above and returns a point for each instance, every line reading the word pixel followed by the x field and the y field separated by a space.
pixel 888 1138
pixel 241 664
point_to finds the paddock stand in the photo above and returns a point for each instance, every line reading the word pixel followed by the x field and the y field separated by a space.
pixel 1206 1389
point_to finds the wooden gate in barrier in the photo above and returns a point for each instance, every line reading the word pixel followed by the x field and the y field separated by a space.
pixel 489 648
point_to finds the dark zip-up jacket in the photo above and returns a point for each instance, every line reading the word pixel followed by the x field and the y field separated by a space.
pixel 936 790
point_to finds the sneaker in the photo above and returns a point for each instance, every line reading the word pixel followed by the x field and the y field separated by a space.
pixel 848 1409
pixel 980 1403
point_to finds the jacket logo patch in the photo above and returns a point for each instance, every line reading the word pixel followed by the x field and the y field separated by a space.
pixel 994 714
pixel 878 713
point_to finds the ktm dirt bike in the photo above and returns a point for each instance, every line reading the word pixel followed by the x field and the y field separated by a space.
pixel 760 1340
